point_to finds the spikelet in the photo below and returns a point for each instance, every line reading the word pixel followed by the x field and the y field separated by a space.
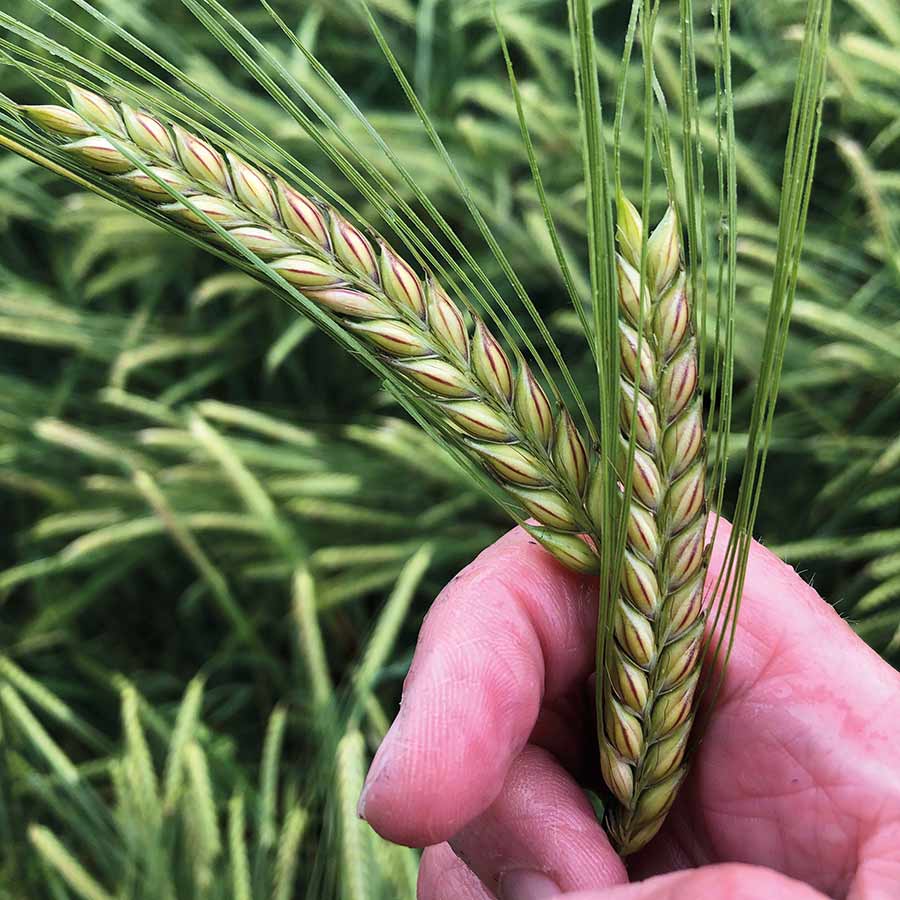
pixel 494 409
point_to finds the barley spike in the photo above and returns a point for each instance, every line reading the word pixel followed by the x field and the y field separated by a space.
pixel 495 411
pixel 652 660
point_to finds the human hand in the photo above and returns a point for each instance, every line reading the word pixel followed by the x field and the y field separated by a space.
pixel 794 793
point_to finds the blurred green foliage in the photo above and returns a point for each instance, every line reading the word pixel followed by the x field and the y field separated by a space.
pixel 221 536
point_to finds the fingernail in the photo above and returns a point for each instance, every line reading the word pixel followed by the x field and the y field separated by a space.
pixel 382 757
pixel 525 884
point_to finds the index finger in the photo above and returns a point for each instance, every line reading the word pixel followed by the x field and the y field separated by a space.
pixel 512 628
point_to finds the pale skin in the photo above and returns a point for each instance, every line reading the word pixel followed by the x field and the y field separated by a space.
pixel 794 794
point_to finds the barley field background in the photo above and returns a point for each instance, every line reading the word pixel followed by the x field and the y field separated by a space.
pixel 220 536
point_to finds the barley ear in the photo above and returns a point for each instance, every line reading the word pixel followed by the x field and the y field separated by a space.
pixel 494 411
pixel 652 660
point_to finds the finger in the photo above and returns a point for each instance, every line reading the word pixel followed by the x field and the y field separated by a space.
pixel 512 628
pixel 540 836
pixel 733 881
pixel 444 876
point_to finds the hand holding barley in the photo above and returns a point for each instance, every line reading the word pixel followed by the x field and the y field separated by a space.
pixel 483 400
pixel 491 748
